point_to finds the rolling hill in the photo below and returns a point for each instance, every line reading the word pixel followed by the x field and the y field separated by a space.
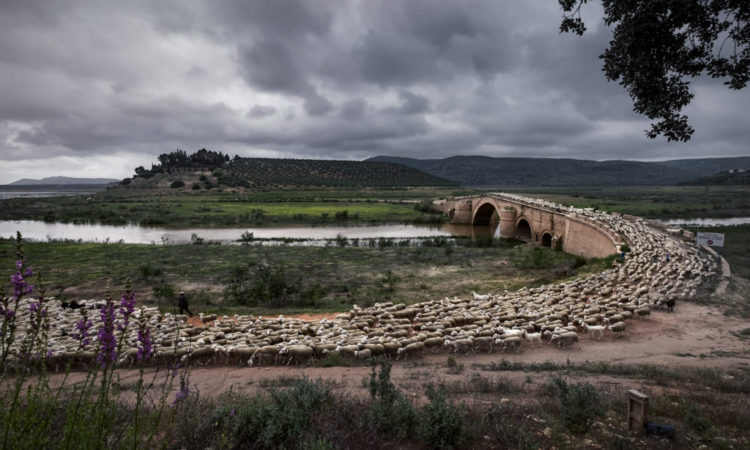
pixel 61 181
pixel 306 172
pixel 487 171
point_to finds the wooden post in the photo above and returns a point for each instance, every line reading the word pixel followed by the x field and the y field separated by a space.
pixel 637 410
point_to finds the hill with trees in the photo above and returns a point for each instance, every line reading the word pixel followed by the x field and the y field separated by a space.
pixel 271 172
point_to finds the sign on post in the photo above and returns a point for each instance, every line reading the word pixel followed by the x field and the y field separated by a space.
pixel 710 239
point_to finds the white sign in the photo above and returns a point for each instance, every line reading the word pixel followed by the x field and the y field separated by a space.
pixel 710 239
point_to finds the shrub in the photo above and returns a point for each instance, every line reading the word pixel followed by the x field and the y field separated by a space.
pixel 425 206
pixel 195 186
pixel 262 284
pixel 342 215
pixel 389 410
pixel 283 416
pixel 247 237
pixel 580 404
pixel 441 425
pixel 148 271
pixel 177 184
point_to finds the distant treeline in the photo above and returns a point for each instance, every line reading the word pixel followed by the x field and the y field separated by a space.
pixel 169 162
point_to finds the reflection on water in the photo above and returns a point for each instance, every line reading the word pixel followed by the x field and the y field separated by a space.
pixel 708 222
pixel 145 235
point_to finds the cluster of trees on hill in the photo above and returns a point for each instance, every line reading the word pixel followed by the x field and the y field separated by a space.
pixel 168 162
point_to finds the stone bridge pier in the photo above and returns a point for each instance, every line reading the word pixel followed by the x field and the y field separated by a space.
pixel 534 222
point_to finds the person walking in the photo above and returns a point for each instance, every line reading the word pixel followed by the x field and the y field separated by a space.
pixel 183 303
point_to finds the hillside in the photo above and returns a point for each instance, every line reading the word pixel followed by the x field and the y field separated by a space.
pixel 61 181
pixel 488 171
pixel 269 172
pixel 708 166
pixel 725 178
pixel 306 172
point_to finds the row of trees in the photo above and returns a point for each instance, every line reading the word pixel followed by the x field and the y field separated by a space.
pixel 169 162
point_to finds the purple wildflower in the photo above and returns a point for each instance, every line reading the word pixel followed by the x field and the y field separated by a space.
pixel 83 326
pixel 20 286
pixel 174 367
pixel 106 334
pixel 145 347
pixel 182 394
pixel 127 305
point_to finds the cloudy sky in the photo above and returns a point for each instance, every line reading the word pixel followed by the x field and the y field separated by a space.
pixel 95 88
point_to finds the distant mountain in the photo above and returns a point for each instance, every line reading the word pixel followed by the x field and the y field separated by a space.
pixel 485 171
pixel 488 171
pixel 62 181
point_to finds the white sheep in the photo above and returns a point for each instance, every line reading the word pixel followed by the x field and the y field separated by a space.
pixel 480 297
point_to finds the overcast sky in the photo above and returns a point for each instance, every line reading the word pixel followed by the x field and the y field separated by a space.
pixel 96 88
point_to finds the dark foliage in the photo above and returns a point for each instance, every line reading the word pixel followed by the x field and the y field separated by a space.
pixel 170 162
pixel 658 45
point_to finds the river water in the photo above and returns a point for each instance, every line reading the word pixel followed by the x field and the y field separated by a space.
pixel 135 234
pixel 708 222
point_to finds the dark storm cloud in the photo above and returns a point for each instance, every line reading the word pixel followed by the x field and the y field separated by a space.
pixel 98 81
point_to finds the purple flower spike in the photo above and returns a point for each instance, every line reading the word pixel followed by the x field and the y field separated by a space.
pixel 182 394
pixel 82 336
pixel 106 334
pixel 127 305
pixel 145 347
pixel 20 287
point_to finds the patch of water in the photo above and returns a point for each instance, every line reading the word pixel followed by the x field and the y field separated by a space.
pixel 134 234
pixel 708 221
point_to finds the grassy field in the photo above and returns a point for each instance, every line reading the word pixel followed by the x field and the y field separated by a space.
pixel 656 202
pixel 312 278
pixel 232 208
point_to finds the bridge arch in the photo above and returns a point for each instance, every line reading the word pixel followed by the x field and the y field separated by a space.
pixel 486 214
pixel 546 239
pixel 523 229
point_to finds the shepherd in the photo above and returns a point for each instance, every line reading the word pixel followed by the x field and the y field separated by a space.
pixel 183 303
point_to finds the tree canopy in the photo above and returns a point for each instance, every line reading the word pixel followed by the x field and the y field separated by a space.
pixel 659 45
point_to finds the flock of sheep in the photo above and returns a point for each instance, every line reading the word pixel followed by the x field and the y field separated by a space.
pixel 502 322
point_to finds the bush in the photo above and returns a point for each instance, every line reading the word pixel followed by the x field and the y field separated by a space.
pixel 282 417
pixel 342 215
pixel 425 206
pixel 580 404
pixel 263 284
pixel 177 184
pixel 195 186
pixel 148 271
pixel 441 425
pixel 389 410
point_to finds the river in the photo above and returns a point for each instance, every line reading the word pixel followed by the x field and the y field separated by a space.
pixel 708 221
pixel 134 234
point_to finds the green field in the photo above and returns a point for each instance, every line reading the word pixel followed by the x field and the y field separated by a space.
pixel 182 209
pixel 655 201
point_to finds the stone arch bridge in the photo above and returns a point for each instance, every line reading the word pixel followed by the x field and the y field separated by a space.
pixel 535 221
